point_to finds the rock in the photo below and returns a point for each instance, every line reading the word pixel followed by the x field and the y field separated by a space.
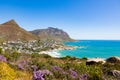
pixel 94 61
pixel 52 33
pixel 113 60
pixel 115 73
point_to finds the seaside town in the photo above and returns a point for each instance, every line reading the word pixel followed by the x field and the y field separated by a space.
pixel 34 46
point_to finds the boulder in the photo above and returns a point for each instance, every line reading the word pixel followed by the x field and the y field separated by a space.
pixel 115 73
pixel 95 61
pixel 113 60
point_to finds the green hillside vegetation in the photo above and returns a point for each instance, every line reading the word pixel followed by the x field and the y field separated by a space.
pixel 19 66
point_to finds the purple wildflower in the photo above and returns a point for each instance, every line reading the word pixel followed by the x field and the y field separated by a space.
pixel 39 75
pixel 83 77
pixel 34 67
pixel 2 58
pixel 73 73
pixel 56 68
pixel 22 64
pixel 47 72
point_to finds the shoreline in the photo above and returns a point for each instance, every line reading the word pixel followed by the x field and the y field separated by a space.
pixel 55 52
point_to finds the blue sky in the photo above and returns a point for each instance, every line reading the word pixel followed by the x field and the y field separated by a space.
pixel 81 19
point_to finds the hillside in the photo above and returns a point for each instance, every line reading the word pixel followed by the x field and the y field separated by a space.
pixel 11 31
pixel 52 33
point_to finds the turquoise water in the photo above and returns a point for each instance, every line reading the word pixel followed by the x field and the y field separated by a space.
pixel 93 48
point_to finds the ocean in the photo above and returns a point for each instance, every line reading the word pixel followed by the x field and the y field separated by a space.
pixel 92 49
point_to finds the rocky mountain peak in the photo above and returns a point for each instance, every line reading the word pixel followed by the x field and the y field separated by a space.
pixel 10 22
pixel 11 31
pixel 52 33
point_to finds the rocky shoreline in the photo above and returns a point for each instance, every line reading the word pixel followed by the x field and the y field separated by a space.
pixel 113 59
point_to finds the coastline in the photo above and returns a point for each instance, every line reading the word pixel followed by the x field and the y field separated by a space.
pixel 55 52
pixel 78 49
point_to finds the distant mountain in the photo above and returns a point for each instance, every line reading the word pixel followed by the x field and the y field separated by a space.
pixel 52 33
pixel 11 31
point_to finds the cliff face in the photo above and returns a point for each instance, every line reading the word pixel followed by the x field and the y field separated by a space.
pixel 52 33
pixel 11 31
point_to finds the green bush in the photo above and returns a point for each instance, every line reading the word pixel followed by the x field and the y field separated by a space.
pixel 1 51
pixel 12 56
pixel 45 55
pixel 85 58
pixel 35 55
pixel 94 72
pixel 69 57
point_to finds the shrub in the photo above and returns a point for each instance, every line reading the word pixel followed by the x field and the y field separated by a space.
pixel 12 56
pixel 15 55
pixel 85 58
pixel 69 57
pixel 58 72
pixel 1 51
pixel 45 56
pixel 95 73
pixel 35 55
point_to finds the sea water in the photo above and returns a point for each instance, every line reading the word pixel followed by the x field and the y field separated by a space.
pixel 93 48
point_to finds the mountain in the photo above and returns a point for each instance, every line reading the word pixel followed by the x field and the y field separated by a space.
pixel 11 31
pixel 52 33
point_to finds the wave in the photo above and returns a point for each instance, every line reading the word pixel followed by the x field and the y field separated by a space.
pixel 53 53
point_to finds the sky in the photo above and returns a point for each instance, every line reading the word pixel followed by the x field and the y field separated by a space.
pixel 81 19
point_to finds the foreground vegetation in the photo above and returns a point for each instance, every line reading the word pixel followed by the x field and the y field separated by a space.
pixel 18 66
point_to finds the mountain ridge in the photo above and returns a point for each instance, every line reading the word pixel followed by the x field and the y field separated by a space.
pixel 52 33
pixel 11 31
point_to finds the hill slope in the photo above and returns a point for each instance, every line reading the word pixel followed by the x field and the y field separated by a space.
pixel 11 31
pixel 52 33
